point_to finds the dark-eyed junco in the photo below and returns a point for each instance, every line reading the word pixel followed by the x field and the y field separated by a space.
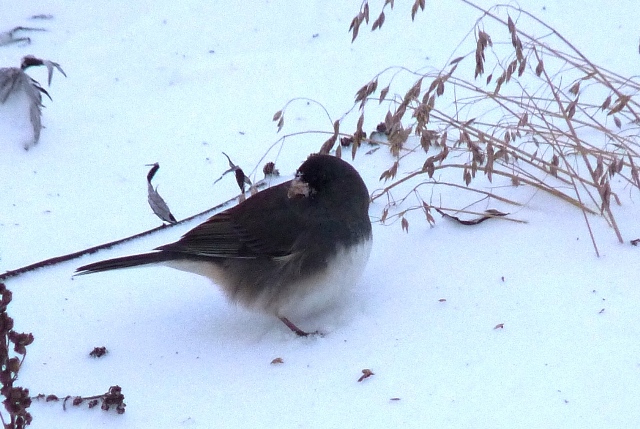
pixel 289 250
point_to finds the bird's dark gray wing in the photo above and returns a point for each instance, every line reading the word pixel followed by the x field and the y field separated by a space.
pixel 244 231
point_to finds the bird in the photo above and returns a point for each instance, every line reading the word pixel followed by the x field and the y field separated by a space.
pixel 290 251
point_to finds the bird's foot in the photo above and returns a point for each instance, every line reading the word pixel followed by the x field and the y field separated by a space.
pixel 299 332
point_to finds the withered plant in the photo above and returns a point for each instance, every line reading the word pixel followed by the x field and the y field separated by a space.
pixel 13 349
pixel 521 107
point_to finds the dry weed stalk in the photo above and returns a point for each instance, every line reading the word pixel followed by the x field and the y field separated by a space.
pixel 537 113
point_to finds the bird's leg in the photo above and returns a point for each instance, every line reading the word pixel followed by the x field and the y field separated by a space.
pixel 299 332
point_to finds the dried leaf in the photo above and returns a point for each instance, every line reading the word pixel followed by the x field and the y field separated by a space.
pixel 156 202
pixel 30 61
pixel 277 115
pixel 539 68
pixel 241 178
pixel 14 80
pixel 606 103
pixel 489 214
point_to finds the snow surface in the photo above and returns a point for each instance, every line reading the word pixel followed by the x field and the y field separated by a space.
pixel 179 82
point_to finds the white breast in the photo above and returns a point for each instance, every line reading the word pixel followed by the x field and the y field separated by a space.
pixel 332 285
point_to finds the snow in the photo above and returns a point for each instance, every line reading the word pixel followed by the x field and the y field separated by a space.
pixel 179 82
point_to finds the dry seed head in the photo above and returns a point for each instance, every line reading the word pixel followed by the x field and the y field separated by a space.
pixel 512 67
pixel 522 66
pixel 575 88
pixel 499 82
pixel 524 119
pixel 384 93
pixel 571 109
pixel 414 9
pixel 617 121
pixel 620 104
pixel 385 213
pixel 378 22
pixel 405 224
pixel 355 25
pixel 511 26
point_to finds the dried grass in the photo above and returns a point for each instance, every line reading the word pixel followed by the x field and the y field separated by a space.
pixel 532 110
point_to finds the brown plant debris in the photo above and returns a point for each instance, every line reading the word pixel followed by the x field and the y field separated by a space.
pixel 13 36
pixel 14 80
pixel 17 399
pixel 156 202
pixel 528 129
pixel 489 214
pixel 270 169
pixel 366 373
pixel 98 352
pixel 241 178
pixel 113 399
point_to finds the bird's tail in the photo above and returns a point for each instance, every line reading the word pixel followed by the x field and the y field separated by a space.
pixel 125 262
